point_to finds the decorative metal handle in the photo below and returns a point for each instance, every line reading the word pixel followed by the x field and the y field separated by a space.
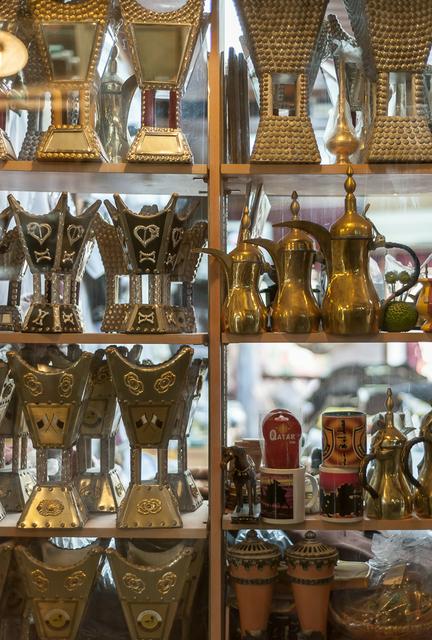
pixel 362 473
pixel 406 468
pixel 413 279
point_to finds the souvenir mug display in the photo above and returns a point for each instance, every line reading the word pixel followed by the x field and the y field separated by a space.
pixel 150 398
pixel 56 246
pixel 423 483
pixel 70 37
pixel 389 495
pixel 351 305
pixel 156 246
pixel 284 42
pixel 310 567
pixel 161 45
pixel 12 268
pixel 54 401
pixel 400 113
pixel 341 494
pixel 344 438
pixel 253 569
pixel 294 308
pixel 243 310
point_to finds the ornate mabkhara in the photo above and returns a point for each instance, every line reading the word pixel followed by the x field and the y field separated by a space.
pixel 76 30
pixel 283 40
pixel 54 403
pixel 6 549
pixel 150 400
pixel 100 489
pixel 59 591
pixel 157 245
pixel 8 22
pixel 12 267
pixel 150 593
pixel 182 482
pixel 56 246
pixel 395 37
pixel 16 480
pixel 161 46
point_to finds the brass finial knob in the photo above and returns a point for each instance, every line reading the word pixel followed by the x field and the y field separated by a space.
pixel 295 206
pixel 389 401
pixel 350 183
pixel 246 219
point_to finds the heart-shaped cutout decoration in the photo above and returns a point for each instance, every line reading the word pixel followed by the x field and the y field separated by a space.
pixel 147 234
pixel 74 233
pixel 177 235
pixel 40 231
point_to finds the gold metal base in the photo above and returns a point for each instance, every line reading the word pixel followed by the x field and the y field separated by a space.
pixel 184 487
pixel 15 488
pixel 101 493
pixel 53 318
pixel 54 507
pixel 70 143
pixel 288 139
pixel 10 318
pixel 397 139
pixel 153 144
pixel 149 506
pixel 6 149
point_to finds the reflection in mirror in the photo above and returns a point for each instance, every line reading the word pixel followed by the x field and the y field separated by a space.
pixel 160 50
pixel 400 97
pixel 70 47
pixel 284 94
pixel 162 6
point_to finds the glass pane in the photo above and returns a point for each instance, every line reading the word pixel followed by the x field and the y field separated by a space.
pixel 162 6
pixel 400 101
pixel 284 94
pixel 70 47
pixel 160 49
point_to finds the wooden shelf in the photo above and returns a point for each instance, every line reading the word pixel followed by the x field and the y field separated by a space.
pixel 321 337
pixel 94 177
pixel 315 522
pixel 372 179
pixel 102 338
pixel 103 526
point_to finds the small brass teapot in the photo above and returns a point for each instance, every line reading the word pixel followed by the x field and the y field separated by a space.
pixel 243 310
pixel 390 496
pixel 351 305
pixel 294 309
pixel 422 484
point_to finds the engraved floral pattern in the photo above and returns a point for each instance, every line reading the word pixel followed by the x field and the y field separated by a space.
pixel 166 582
pixel 133 383
pixel 165 382
pixel 66 385
pixel 133 582
pixel 33 384
pixel 75 580
pixel 39 580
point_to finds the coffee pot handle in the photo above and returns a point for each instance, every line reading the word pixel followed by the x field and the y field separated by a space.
pixel 406 468
pixel 363 476
pixel 414 277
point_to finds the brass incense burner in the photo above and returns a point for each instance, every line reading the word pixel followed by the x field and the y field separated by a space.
pixel 70 37
pixel 161 46
pixel 12 269
pixel 389 496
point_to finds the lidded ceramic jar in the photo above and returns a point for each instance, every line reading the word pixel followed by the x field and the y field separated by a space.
pixel 253 566
pixel 310 567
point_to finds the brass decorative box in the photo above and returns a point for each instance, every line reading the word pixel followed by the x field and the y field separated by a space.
pixel 56 246
pixel 284 42
pixel 161 45
pixel 70 37
pixel 395 37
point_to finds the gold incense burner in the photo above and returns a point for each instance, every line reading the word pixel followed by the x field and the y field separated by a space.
pixel 54 403
pixel 56 246
pixel 70 40
pixel 395 38
pixel 161 46
pixel 286 46
pixel 156 246
pixel 12 269
pixel 150 399
pixel 100 489
pixel 243 310
pixel 388 494
pixel 151 586
pixel 58 587
pixel 294 308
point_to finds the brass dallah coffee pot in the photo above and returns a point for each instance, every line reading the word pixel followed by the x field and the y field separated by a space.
pixel 351 305
pixel 243 310
pixel 422 484
pixel 388 494
pixel 294 308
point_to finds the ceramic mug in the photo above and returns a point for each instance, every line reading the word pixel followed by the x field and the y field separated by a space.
pixel 283 495
pixel 343 438
pixel 341 494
